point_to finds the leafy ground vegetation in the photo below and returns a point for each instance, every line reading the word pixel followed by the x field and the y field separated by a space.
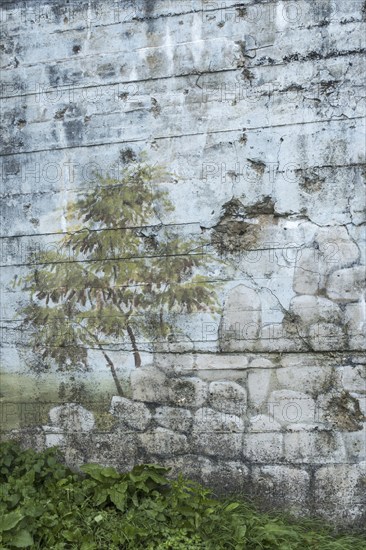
pixel 46 505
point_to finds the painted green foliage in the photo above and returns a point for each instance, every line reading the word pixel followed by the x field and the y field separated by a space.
pixel 111 277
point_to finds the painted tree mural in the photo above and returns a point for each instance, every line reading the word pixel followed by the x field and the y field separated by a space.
pixel 111 277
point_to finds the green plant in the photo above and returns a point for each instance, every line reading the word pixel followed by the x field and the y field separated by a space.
pixel 113 277
pixel 178 540
pixel 22 474
pixel 45 505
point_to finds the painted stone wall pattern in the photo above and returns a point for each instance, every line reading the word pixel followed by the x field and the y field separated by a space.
pixel 224 299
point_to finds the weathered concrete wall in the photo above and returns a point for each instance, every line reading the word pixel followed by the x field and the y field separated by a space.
pixel 258 108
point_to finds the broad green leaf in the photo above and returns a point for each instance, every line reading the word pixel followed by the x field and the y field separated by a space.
pixel 118 495
pixel 22 539
pixel 232 506
pixel 110 472
pixel 101 496
pixel 8 521
pixel 100 473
